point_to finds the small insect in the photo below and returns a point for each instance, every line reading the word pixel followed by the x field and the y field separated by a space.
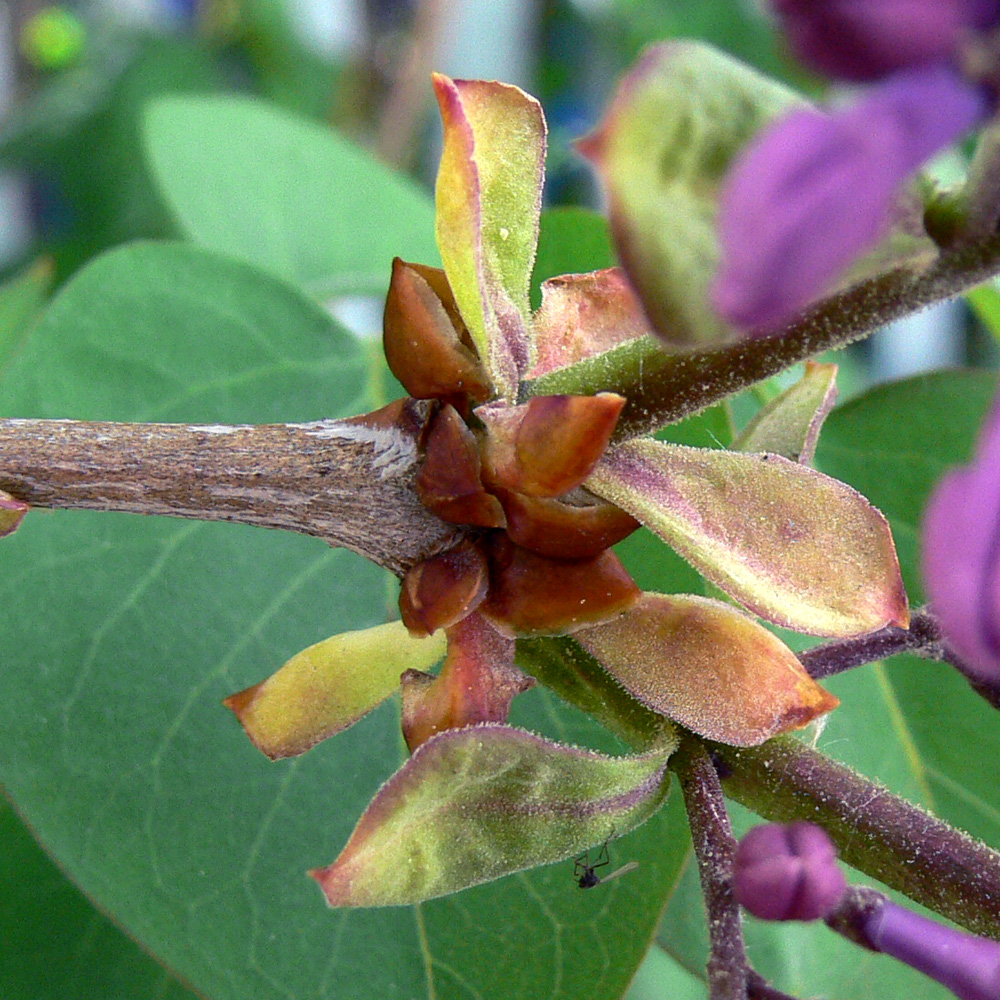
pixel 585 872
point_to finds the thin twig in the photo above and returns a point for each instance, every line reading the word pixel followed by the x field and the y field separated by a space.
pixel 714 847
pixel 877 832
pixel 923 638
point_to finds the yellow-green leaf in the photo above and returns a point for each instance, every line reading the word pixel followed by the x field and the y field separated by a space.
pixel 329 686
pixel 488 194
pixel 789 425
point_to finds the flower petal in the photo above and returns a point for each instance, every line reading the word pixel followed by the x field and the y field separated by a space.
pixel 853 40
pixel 475 804
pixel 489 189
pixel 961 556
pixel 329 686
pixel 796 547
pixel 709 667
pixel 815 190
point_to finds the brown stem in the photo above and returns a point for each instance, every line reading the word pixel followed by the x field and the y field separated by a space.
pixel 714 847
pixel 662 387
pixel 877 832
pixel 346 482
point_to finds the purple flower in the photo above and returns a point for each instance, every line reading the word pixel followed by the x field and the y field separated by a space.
pixel 787 872
pixel 815 190
pixel 868 39
pixel 967 965
pixel 961 556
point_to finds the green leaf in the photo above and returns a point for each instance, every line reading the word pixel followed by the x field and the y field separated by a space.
pixel 122 634
pixel 288 195
pixel 474 804
pixel 570 241
pixel 665 145
pixel 914 725
pixel 55 943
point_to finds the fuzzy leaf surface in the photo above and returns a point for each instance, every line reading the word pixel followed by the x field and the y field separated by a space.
pixel 796 547
pixel 474 804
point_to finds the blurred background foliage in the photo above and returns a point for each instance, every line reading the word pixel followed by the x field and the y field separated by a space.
pixel 75 80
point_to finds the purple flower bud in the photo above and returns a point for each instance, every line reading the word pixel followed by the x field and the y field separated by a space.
pixel 867 39
pixel 968 965
pixel 787 872
pixel 961 556
pixel 815 190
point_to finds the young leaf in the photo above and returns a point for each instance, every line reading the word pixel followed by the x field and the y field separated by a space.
pixel 790 424
pixel 475 804
pixel 709 667
pixel 796 547
pixel 489 190
pixel 663 149
pixel 329 686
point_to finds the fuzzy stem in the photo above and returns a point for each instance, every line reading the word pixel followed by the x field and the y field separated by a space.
pixel 662 388
pixel 348 483
pixel 714 847
pixel 877 832
pixel 923 637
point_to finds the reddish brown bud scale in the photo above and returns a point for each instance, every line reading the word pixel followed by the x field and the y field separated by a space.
pixel 563 531
pixel 531 594
pixel 561 439
pixel 477 683
pixel 422 345
pixel 442 590
pixel 449 482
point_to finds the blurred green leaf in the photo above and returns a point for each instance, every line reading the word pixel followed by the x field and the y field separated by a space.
pixel 288 195
pixel 21 299
pixel 81 137
pixel 122 635
pixel 570 241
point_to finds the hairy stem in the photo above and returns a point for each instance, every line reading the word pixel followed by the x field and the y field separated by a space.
pixel 662 388
pixel 877 832
pixel 714 847
pixel 347 482
pixel 923 637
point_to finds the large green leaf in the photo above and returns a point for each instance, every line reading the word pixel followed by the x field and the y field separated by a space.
pixel 286 194
pixel 55 943
pixel 915 726
pixel 122 635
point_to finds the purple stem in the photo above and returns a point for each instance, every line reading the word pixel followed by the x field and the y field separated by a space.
pixel 923 638
pixel 714 847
